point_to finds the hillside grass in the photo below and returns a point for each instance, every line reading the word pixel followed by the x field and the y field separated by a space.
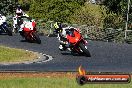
pixel 15 55
pixel 48 80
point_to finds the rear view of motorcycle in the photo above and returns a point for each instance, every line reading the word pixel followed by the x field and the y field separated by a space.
pixel 4 27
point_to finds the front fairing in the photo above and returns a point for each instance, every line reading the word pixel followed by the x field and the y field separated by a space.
pixel 28 26
pixel 28 29
pixel 74 38
pixel 4 25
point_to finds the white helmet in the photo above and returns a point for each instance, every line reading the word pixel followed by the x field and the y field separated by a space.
pixel 18 11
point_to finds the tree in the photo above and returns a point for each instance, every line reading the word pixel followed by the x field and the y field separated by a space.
pixel 54 9
pixel 120 7
pixel 116 6
pixel 90 15
pixel 7 6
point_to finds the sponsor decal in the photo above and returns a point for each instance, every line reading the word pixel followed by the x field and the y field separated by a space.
pixel 85 78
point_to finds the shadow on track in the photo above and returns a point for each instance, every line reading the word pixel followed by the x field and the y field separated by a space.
pixel 73 54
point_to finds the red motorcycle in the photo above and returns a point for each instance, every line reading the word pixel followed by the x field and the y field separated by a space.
pixel 77 42
pixel 30 33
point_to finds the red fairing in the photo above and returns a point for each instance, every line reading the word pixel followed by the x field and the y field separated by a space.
pixel 77 42
pixel 34 24
pixel 26 29
pixel 74 38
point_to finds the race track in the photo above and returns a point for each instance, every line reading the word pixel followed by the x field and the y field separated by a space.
pixel 106 57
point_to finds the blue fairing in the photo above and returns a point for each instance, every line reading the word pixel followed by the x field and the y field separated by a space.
pixel 4 25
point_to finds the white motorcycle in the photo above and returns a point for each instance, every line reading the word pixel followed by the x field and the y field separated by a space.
pixel 4 27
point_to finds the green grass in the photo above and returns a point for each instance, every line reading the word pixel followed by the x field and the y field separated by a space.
pixel 53 83
pixel 15 55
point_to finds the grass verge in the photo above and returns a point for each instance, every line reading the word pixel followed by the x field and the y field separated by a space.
pixel 48 80
pixel 15 55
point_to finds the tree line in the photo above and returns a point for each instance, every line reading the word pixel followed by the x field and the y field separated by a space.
pixel 71 11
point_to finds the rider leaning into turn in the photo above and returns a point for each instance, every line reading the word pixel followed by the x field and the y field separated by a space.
pixel 62 32
pixel 17 18
pixel 20 22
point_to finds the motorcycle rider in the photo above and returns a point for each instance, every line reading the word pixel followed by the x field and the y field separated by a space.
pixel 2 19
pixel 20 12
pixel 17 17
pixel 62 32
pixel 58 27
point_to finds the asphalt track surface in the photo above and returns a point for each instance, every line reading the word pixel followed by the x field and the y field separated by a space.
pixel 106 57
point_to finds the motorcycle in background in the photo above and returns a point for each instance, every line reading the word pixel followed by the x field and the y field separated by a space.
pixel 4 27
pixel 29 31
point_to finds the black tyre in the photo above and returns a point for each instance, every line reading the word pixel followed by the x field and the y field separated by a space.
pixel 36 38
pixel 85 50
pixel 9 31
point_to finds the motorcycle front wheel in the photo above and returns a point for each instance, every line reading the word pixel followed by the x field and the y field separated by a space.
pixel 85 50
pixel 9 31
pixel 36 37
